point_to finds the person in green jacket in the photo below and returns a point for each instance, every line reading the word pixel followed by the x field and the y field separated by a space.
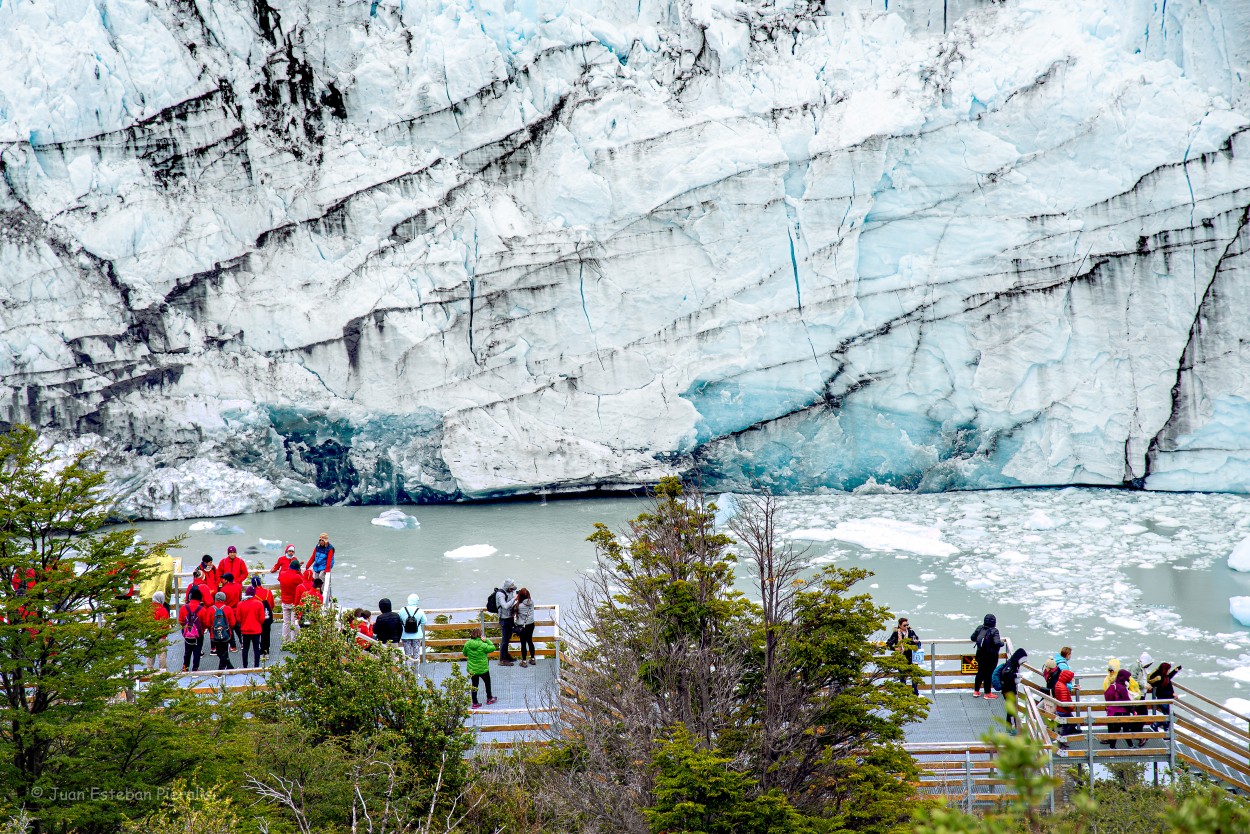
pixel 477 662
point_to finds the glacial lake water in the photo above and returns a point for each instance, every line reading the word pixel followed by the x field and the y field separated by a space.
pixel 1109 572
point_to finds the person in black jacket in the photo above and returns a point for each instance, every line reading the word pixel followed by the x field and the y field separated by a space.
pixel 387 628
pixel 1010 679
pixel 904 641
pixel 988 641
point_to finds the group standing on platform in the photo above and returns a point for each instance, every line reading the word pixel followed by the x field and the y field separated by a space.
pixel 230 609
pixel 1120 688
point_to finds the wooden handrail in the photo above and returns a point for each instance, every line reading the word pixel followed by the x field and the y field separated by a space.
pixel 1213 703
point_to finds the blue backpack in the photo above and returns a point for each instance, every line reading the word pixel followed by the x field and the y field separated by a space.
pixel 996 679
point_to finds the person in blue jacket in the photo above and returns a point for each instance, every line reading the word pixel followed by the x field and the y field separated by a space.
pixel 322 557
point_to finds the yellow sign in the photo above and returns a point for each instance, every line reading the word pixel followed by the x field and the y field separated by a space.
pixel 967 664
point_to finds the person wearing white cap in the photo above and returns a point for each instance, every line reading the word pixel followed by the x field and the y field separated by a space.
pixel 1140 670
pixel 283 560
pixel 413 635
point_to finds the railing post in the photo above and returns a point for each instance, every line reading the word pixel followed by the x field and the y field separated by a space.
pixel 968 780
pixel 555 616
pixel 1172 742
pixel 1089 741
pixel 933 670
pixel 1050 754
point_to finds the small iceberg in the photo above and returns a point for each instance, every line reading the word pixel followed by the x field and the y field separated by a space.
pixel 1239 559
pixel 726 508
pixel 271 544
pixel 471 551
pixel 396 520
pixel 215 528
pixel 1239 607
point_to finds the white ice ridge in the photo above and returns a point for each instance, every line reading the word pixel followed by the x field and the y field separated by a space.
pixel 393 252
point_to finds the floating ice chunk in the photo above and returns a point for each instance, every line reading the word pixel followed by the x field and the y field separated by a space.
pixel 1238 705
pixel 1050 592
pixel 1166 521
pixel 1239 607
pixel 1127 623
pixel 471 551
pixel 215 528
pixel 920 589
pixel 1015 557
pixel 396 520
pixel 814 534
pixel 726 509
pixel 928 577
pixel 981 583
pixel 1039 520
pixel 1133 529
pixel 271 544
pixel 890 535
pixel 1240 674
pixel 1096 523
pixel 1239 559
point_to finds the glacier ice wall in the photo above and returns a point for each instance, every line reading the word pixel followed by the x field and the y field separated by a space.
pixel 269 251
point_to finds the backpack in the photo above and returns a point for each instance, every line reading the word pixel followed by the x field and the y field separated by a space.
pixel 996 679
pixel 191 628
pixel 492 602
pixel 412 625
pixel 221 628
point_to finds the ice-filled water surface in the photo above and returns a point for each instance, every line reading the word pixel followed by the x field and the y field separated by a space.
pixel 1109 572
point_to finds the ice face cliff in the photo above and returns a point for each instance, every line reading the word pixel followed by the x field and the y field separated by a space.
pixel 266 252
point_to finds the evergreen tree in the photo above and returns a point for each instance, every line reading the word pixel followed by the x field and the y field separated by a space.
pixel 71 636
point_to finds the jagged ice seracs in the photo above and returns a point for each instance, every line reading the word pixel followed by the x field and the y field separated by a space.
pixel 265 252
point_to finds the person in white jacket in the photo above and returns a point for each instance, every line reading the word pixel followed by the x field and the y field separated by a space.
pixel 413 635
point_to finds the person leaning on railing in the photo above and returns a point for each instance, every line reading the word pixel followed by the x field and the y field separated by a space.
pixel 904 641
pixel 1161 689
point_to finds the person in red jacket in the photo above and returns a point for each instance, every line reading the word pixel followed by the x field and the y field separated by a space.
pixel 199 583
pixel 309 597
pixel 251 619
pixel 221 622
pixel 23 582
pixel 361 623
pixel 211 576
pixel 232 589
pixel 232 564
pixel 290 582
pixel 266 599
pixel 1063 694
pixel 193 618
pixel 284 560
pixel 160 614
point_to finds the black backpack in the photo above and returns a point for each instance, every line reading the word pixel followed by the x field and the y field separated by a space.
pixel 221 628
pixel 492 602
pixel 411 624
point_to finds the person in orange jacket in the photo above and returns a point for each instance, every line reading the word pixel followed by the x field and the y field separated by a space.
pixel 251 619
pixel 232 564
pixel 284 560
pixel 222 620
pixel 193 618
pixel 266 599
pixel 289 582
